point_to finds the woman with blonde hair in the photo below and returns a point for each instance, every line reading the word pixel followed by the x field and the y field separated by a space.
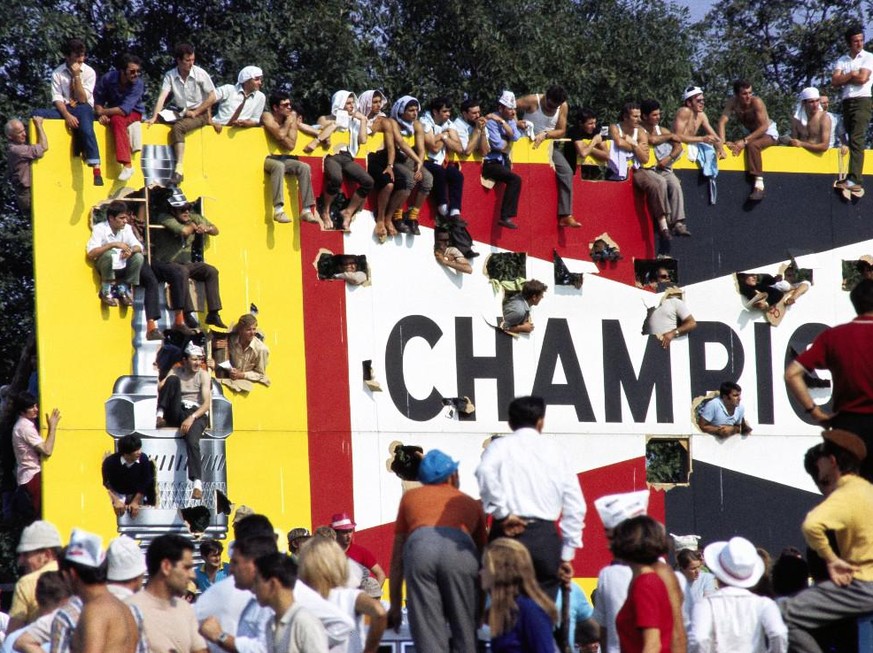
pixel 324 568
pixel 521 616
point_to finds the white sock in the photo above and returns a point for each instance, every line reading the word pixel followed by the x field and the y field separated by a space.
pixel 442 208
pixel 279 208
pixel 759 182
pixel 198 484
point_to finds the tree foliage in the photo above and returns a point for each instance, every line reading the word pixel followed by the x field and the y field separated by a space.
pixel 603 52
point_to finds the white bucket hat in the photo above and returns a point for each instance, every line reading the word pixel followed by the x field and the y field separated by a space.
pixel 735 563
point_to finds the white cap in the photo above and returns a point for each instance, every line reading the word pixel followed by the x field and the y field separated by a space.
pixel 691 91
pixel 685 542
pixel 615 508
pixel 39 535
pixel 734 563
pixel 809 93
pixel 194 350
pixel 247 73
pixel 507 99
pixel 126 560
pixel 85 549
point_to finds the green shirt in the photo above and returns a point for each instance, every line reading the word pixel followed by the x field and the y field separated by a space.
pixel 168 244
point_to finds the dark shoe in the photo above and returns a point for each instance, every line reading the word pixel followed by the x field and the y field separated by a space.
pixel 568 221
pixel 98 180
pixel 125 299
pixel 679 229
pixel 471 254
pixel 107 299
pixel 191 321
pixel 413 227
pixel 508 223
pixel 401 226
pixel 213 319
pixel 160 422
pixel 457 219
pixel 665 234
pixel 176 179
pixel 184 329
pixel 757 195
pixel 155 334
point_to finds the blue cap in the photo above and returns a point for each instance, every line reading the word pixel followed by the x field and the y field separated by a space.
pixel 436 467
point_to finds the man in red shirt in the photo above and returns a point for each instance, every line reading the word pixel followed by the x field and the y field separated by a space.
pixel 846 351
pixel 345 529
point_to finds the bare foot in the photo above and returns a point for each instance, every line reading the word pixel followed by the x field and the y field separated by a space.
pixel 389 227
pixel 380 232
pixel 216 127
pixel 310 147
pixel 347 218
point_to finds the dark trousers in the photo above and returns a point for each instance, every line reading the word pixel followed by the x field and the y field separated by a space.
pixel 170 401
pixel 84 138
pixel 151 278
pixel 337 165
pixel 448 185
pixel 502 174
pixel 856 117
pixel 208 274
pixel 542 539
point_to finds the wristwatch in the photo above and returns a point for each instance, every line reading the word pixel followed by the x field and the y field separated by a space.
pixel 222 637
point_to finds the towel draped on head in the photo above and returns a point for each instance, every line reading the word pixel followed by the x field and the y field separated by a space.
pixel 365 105
pixel 337 104
pixel 809 93
pixel 406 128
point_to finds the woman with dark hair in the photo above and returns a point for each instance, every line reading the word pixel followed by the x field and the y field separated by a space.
pixel 521 616
pixel 645 622
pixel 30 448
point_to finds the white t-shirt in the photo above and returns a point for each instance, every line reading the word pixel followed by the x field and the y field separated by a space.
pixel 846 64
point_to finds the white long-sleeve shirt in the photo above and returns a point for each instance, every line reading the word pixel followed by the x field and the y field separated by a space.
pixel 733 619
pixel 525 473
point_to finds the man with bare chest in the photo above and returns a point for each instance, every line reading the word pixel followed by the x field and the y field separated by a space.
pixel 751 112
pixel 691 119
pixel 810 126
pixel 105 623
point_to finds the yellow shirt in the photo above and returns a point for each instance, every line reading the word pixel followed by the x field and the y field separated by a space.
pixel 847 512
pixel 24 605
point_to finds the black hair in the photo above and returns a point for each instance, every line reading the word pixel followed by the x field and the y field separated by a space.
pixel 526 412
pixel 741 84
pixel 128 58
pixel 116 207
pixel 847 462
pixel 129 443
pixel 88 575
pixel 208 547
pixel 862 296
pixel 627 108
pixel 585 114
pixel 532 288
pixel 647 106
pixel 252 526
pixel 278 96
pixel 256 547
pixel 686 556
pixel 469 103
pixel 74 46
pixel 166 547
pixel 853 30
pixel 728 387
pixel 182 50
pixel 279 566
pixel 23 401
pixel 556 95
pixel 438 103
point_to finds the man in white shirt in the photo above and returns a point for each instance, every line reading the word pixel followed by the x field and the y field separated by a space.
pixel 73 99
pixel 240 105
pixel 117 255
pixel 526 485
pixel 193 93
pixel 852 75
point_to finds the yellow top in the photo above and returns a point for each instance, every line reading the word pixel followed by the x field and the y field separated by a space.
pixel 846 512
pixel 24 604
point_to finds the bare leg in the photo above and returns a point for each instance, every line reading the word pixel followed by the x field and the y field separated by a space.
pixel 326 222
pixel 349 212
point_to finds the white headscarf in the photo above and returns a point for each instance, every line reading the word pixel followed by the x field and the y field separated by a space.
pixel 406 128
pixel 809 93
pixel 337 104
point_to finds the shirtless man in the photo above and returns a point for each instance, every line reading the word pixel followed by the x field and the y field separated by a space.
pixel 752 114
pixel 380 162
pixel 105 623
pixel 281 122
pixel 690 119
pixel 810 126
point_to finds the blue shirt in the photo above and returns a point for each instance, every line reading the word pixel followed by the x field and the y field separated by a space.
pixel 109 94
pixel 580 609
pixel 532 632
pixel 497 139
pixel 715 413
pixel 202 580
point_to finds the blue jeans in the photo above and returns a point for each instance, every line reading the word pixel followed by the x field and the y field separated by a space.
pixel 84 139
